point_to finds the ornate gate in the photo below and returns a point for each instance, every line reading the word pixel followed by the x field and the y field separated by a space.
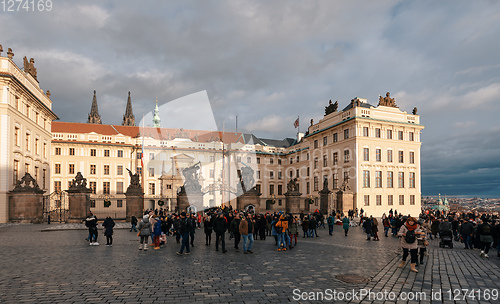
pixel 55 207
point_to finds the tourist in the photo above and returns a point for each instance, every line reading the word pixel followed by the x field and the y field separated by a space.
pixel 157 233
pixel 485 236
pixel 144 232
pixel 208 227
pixel 367 227
pixel 345 225
pixel 467 231
pixel 133 222
pixel 408 234
pixel 108 224
pixel 387 225
pixel 422 243
pixel 313 224
pixel 262 227
pixel 192 227
pixel 281 226
pixel 331 222
pixel 374 228
pixel 220 227
pixel 184 233
pixel 305 226
pixel 245 230
pixel 294 231
pixel 234 227
pixel 91 223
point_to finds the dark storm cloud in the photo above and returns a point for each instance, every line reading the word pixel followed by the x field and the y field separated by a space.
pixel 271 61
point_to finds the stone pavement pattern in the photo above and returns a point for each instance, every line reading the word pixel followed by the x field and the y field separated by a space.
pixel 58 266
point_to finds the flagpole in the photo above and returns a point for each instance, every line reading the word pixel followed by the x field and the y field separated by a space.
pixel 142 155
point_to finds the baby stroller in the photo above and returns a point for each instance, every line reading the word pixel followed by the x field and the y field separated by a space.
pixel 446 238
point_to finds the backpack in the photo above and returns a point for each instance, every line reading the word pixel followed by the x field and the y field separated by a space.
pixel 486 229
pixel 410 237
pixel 278 229
pixel 330 220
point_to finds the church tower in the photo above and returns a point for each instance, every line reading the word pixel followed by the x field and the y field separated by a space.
pixel 94 116
pixel 128 118
pixel 156 117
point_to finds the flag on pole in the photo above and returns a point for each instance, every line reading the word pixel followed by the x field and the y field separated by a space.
pixel 142 154
pixel 296 123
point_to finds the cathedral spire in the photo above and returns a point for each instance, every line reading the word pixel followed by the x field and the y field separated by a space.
pixel 94 116
pixel 156 117
pixel 128 118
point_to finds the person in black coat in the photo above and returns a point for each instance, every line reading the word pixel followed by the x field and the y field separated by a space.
pixel 108 224
pixel 367 226
pixel 220 227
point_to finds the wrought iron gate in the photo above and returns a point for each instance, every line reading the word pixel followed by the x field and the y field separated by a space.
pixel 55 207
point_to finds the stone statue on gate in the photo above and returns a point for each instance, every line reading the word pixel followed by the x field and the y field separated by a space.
pixel 332 107
pixel 79 182
pixel 191 182
pixel 387 101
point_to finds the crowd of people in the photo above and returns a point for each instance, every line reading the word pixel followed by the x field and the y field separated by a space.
pixel 475 231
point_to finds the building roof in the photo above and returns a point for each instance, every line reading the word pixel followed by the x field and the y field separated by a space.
pixel 362 104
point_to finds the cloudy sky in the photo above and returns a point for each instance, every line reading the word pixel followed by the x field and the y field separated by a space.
pixel 268 62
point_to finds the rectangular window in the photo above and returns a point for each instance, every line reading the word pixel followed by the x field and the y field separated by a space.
pixel 315 163
pixel 335 137
pixel 316 183
pixel 271 161
pixel 412 157
pixel 139 171
pixel 249 160
pixel 57 186
pixel 291 160
pixel 151 172
pixel 119 187
pixel 119 170
pixel 258 160
pixel 71 169
pixel 366 154
pixel 378 155
pixel 335 158
pixel 412 180
pixel 335 181
pixel 365 131
pixel 389 134
pixel 151 188
pixel 378 179
pixel 93 152
pixel 390 200
pixel 307 171
pixel 16 171
pixel 400 135
pixel 27 168
pixel 44 178
pixel 57 169
pixel 297 173
pixel 379 200
pixel 212 173
pixel 151 156
pixel 93 187
pixel 106 169
pixel 325 161
pixel 71 151
pixel 346 134
pixel 119 153
pixel 279 161
pixel 139 155
pixel 377 132
pixel 400 156
pixel 315 144
pixel 367 200
pixel 238 159
pixel 58 151
pixel 411 136
pixel 271 174
pixel 106 153
pixel 258 187
pixel 258 174
pixel 297 160
pixel 92 203
pixel 27 141
pixel 366 179
pixel 325 141
pixel 280 176
pixel 390 179
pixel 307 187
pixel 44 150
pixel 105 187
pixel 280 189
pixel 37 142
pixel 346 156
pixel 389 156
pixel 307 156
pixel 119 203
pixel 412 199
pixel 271 189
pixel 92 169
pixel 401 199
pixel 280 202
pixel 69 184
pixel 401 179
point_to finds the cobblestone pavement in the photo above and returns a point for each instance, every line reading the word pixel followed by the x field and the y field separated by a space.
pixel 58 266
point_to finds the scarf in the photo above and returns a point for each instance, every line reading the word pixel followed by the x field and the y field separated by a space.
pixel 412 227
